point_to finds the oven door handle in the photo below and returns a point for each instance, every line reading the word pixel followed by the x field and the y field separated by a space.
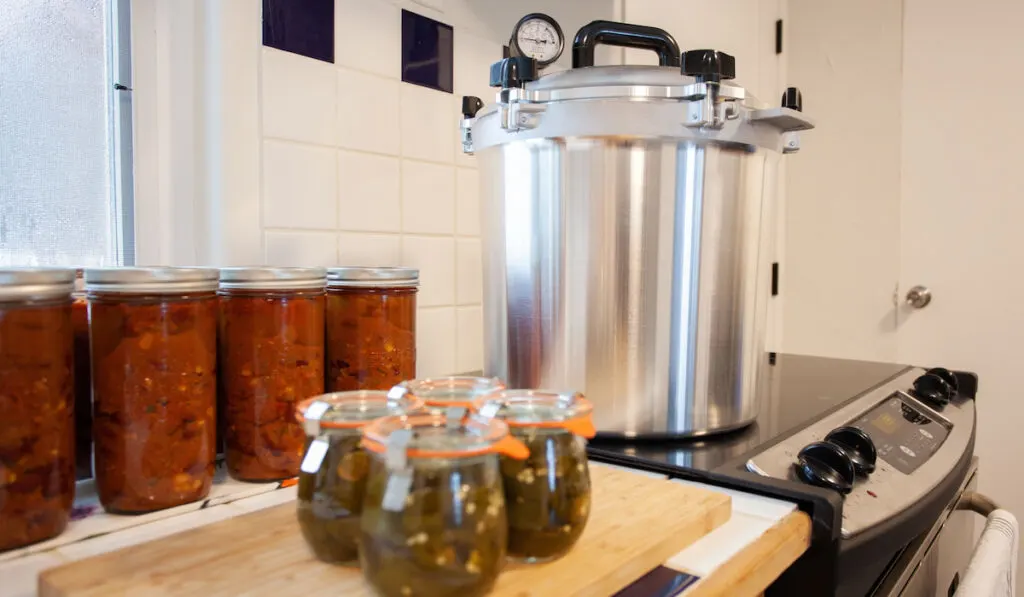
pixel 977 503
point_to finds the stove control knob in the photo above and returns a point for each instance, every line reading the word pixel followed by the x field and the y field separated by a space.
pixel 934 390
pixel 947 376
pixel 857 445
pixel 826 465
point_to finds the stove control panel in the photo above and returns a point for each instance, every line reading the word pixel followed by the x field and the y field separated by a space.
pixel 883 450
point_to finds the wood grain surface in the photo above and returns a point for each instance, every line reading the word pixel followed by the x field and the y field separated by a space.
pixel 758 564
pixel 636 523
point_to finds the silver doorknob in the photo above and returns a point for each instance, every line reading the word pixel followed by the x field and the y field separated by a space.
pixel 918 297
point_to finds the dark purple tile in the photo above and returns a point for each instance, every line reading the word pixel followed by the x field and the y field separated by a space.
pixel 427 52
pixel 304 27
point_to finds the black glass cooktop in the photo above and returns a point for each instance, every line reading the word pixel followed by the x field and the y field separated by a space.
pixel 802 389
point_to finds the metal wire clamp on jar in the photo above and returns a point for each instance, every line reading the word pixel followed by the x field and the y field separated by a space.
pixel 549 493
pixel 371 327
pixel 332 480
pixel 37 439
pixel 154 355
pixel 433 516
pixel 271 356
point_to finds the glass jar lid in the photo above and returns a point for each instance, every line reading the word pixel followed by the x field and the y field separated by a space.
pixel 272 278
pixel 540 408
pixel 373 277
pixel 455 391
pixel 434 435
pixel 35 283
pixel 155 280
pixel 351 410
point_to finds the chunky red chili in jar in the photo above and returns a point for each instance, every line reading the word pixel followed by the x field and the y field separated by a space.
pixel 37 427
pixel 83 382
pixel 371 327
pixel 271 357
pixel 154 356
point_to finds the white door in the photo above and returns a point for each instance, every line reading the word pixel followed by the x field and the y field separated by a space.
pixel 962 221
pixel 840 258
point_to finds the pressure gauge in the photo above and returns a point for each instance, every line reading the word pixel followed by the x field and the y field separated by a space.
pixel 538 36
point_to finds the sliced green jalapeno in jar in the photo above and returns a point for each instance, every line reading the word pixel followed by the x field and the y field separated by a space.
pixel 334 471
pixel 547 494
pixel 434 521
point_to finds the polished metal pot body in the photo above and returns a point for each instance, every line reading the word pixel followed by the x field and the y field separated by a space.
pixel 635 269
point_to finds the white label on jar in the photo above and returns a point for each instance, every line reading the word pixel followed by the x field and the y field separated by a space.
pixel 314 456
pixel 397 490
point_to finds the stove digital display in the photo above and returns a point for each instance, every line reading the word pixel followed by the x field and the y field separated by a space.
pixel 904 436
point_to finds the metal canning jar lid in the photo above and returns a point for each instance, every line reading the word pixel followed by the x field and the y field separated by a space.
pixel 373 277
pixel 154 280
pixel 35 283
pixel 272 278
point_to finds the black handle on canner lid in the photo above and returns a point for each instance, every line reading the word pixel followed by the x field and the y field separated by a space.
pixel 625 35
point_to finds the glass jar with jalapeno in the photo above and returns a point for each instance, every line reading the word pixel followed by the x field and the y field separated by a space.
pixel 332 477
pixel 548 493
pixel 433 521
pixel 442 393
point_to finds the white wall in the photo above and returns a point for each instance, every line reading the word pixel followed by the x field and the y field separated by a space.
pixel 840 265
pixel 248 154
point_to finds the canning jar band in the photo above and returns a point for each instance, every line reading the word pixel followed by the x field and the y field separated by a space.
pixel 581 424
pixel 410 284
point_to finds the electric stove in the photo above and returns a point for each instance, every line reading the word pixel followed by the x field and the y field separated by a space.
pixel 876 453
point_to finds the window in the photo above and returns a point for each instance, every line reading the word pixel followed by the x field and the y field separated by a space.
pixel 65 133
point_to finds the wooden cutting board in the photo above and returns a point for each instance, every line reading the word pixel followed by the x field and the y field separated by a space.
pixel 636 523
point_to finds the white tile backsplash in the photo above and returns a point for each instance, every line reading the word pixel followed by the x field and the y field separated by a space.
pixel 367 112
pixel 467 202
pixel 474 56
pixel 359 168
pixel 376 250
pixel 368 36
pixel 299 185
pixel 428 198
pixel 301 248
pixel 469 343
pixel 435 342
pixel 299 98
pixel 435 258
pixel 368 192
pixel 429 125
pixel 468 272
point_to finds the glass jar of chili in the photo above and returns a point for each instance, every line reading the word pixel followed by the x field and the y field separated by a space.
pixel 271 356
pixel 83 380
pixel 154 355
pixel 548 493
pixel 442 393
pixel 37 426
pixel 433 520
pixel 333 477
pixel 371 327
